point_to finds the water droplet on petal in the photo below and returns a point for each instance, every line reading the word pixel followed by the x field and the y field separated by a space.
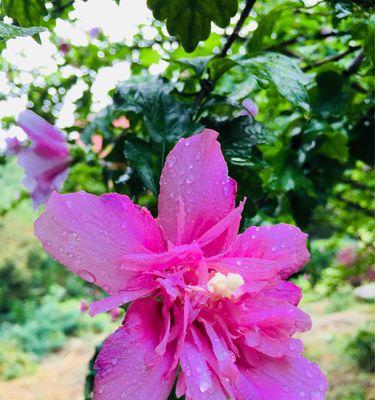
pixel 171 161
pixel 204 386
pixel 190 179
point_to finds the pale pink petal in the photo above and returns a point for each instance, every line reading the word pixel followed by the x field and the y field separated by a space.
pixel 195 186
pixel 43 175
pixel 283 243
pixel 127 366
pixel 286 378
pixel 13 146
pixel 90 235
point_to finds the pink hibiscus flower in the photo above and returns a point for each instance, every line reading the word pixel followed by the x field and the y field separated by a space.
pixel 46 162
pixel 210 307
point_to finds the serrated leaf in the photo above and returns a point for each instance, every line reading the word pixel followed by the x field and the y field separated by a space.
pixel 165 118
pixel 8 31
pixel 26 13
pixel 190 20
pixel 283 73
pixel 137 160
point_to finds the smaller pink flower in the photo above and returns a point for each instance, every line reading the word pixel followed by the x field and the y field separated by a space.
pixel 115 313
pixel 13 146
pixel 83 306
pixel 347 255
pixel 46 162
pixel 250 108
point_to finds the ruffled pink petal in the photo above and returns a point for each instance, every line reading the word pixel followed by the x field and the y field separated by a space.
pixel 286 378
pixel 112 302
pixel 257 273
pixel 127 366
pixel 283 243
pixel 287 291
pixel 178 255
pixel 197 381
pixel 90 235
pixel 225 357
pixel 195 190
pixel 47 140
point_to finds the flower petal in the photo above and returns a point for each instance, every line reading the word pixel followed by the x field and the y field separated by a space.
pixel 283 243
pixel 47 140
pixel 43 175
pixel 197 381
pixel 194 185
pixel 286 378
pixel 127 366
pixel 91 234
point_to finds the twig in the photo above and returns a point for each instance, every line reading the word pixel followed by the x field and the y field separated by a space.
pixel 206 86
pixel 354 66
pixel 236 31
pixel 336 57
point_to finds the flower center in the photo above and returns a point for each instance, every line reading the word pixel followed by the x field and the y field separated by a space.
pixel 225 285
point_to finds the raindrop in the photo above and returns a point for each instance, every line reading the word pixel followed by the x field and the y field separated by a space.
pixel 171 161
pixel 204 386
pixel 190 179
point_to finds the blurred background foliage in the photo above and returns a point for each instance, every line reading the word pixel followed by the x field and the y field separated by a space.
pixel 306 158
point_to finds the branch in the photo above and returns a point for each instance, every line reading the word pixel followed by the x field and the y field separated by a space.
pixel 236 31
pixel 298 39
pixel 336 57
pixel 354 66
pixel 206 86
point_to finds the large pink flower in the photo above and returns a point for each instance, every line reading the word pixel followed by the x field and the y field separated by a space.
pixel 210 306
pixel 46 162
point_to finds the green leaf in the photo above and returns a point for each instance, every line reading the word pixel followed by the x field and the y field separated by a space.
pixel 196 64
pixel 137 160
pixel 25 12
pixel 335 146
pixel 8 31
pixel 190 20
pixel 165 118
pixel 219 66
pixel 266 25
pixel 283 73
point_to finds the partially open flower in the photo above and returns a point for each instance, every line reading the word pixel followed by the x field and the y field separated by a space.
pixel 46 161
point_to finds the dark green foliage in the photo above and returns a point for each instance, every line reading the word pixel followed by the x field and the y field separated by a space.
pixel 25 13
pixel 362 349
pixel 90 377
pixel 190 20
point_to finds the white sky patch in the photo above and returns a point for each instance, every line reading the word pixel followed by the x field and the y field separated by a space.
pixel 117 22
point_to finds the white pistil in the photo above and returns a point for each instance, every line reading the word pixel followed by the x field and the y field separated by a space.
pixel 225 285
